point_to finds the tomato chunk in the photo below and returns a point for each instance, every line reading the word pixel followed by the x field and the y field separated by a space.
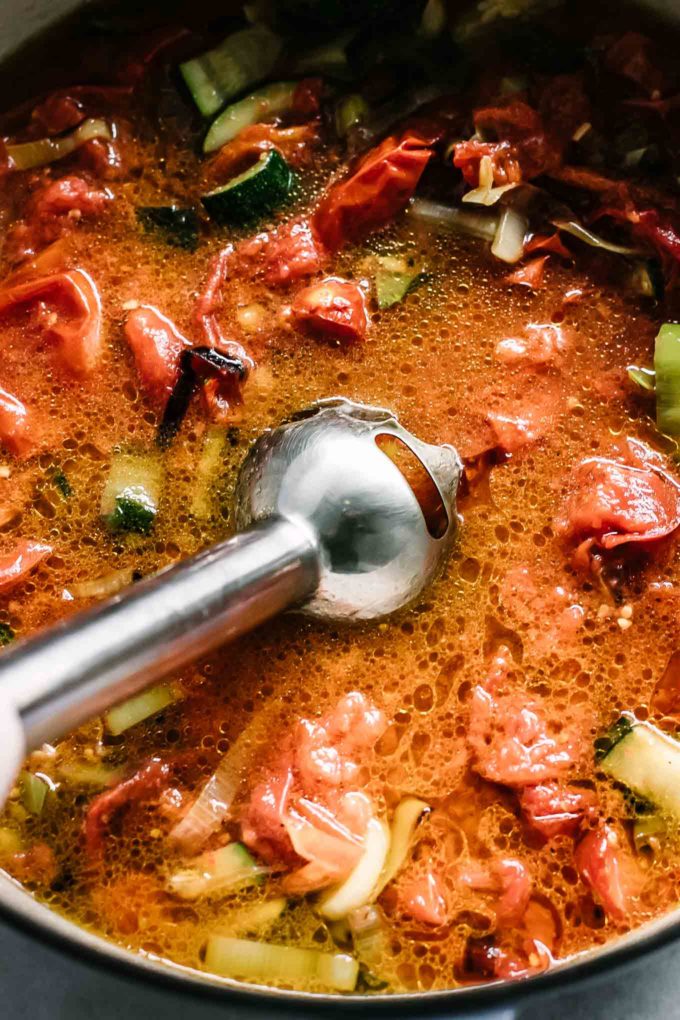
pixel 610 870
pixel 16 431
pixel 513 741
pixel 615 503
pixel 553 809
pixel 423 899
pixel 379 188
pixel 156 345
pixel 285 255
pixel 53 211
pixel 145 784
pixel 77 308
pixel 15 565
pixel 333 308
pixel 507 879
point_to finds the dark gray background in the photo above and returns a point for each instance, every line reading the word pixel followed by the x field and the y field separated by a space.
pixel 39 983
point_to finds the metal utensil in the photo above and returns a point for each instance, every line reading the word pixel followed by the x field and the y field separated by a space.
pixel 326 522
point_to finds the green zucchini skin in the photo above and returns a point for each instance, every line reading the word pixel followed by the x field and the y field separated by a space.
pixel 646 761
pixel 242 60
pixel 667 368
pixel 252 195
pixel 263 104
pixel 178 225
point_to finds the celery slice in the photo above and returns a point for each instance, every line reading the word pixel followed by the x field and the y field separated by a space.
pixel 241 958
pixel 217 872
pixel 34 791
pixel 667 368
pixel 150 702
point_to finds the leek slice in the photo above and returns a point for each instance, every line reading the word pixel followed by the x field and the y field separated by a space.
pixel 209 465
pixel 27 155
pixel 217 872
pixel 241 958
pixel 581 233
pixel 34 791
pixel 252 920
pixel 667 368
pixel 361 886
pixel 407 816
pixel 458 221
pixel 141 706
pixel 642 377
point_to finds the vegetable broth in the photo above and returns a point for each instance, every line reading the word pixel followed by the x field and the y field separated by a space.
pixel 587 645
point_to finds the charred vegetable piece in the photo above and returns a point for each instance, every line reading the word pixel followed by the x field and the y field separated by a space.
pixel 241 958
pixel 667 368
pixel 177 224
pixel 647 761
pixel 269 101
pixel 131 494
pixel 254 194
pixel 239 62
pixel 195 364
pixel 6 634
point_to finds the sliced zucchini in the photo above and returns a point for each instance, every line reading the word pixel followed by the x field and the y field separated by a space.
pixel 394 279
pixel 267 102
pixel 217 872
pixel 239 62
pixel 241 958
pixel 647 761
pixel 178 225
pixel 132 491
pixel 255 193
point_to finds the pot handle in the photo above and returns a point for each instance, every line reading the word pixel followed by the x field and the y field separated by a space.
pixel 75 670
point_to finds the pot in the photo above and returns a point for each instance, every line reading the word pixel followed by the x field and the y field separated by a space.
pixel 20 21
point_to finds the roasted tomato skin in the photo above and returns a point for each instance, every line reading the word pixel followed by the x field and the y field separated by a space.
pixel 334 309
pixel 379 188
pixel 156 345
pixel 610 870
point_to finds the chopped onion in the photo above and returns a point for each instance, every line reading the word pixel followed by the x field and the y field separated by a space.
pixel 134 710
pixel 508 242
pixel 360 886
pixel 406 818
pixel 212 806
pixel 27 155
pixel 582 233
pixel 100 587
pixel 459 221
pixel 487 196
pixel 241 958
pixel 368 928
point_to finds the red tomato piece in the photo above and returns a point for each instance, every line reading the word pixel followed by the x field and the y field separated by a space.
pixel 553 809
pixel 333 308
pixel 610 871
pixel 145 784
pixel 286 255
pixel 374 193
pixel 295 144
pixel 262 822
pixel 78 312
pixel 613 503
pixel 15 565
pixel 507 879
pixel 423 899
pixel 53 211
pixel 548 242
pixel 35 866
pixel 511 737
pixel 156 345
pixel 504 164
pixel 529 275
pixel 544 345
pixel 16 425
